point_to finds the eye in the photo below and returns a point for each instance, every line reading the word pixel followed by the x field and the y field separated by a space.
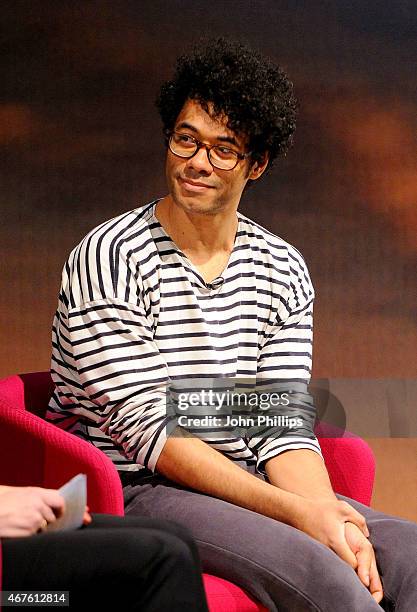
pixel 184 139
pixel 224 152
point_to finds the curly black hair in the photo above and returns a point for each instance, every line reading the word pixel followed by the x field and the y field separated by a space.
pixel 230 79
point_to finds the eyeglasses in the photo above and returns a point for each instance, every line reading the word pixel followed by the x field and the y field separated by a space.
pixel 186 146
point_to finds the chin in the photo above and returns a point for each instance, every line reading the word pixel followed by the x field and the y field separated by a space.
pixel 196 203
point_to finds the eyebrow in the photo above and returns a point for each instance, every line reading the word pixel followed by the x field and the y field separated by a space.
pixel 188 126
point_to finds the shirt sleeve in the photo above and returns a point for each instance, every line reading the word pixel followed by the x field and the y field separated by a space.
pixel 118 375
pixel 284 368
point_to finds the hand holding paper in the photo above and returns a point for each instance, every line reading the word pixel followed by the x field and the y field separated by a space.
pixel 74 493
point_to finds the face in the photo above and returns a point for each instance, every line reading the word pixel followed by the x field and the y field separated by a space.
pixel 194 184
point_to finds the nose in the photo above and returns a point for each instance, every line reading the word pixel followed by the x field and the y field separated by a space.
pixel 200 162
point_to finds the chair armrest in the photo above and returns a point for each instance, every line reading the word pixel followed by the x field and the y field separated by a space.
pixel 35 452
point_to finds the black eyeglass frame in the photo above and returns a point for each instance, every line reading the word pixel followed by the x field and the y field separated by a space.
pixel 199 144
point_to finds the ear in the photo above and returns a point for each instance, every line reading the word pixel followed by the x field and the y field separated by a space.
pixel 258 168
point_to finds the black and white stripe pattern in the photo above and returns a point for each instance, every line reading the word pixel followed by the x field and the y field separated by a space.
pixel 134 313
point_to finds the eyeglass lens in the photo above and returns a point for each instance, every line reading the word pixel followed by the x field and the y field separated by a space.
pixel 186 146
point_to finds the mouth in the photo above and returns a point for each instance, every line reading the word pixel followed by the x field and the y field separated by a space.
pixel 194 186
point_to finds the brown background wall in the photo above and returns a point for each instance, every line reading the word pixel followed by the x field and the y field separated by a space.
pixel 80 142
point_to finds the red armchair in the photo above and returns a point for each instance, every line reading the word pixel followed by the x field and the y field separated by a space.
pixel 34 452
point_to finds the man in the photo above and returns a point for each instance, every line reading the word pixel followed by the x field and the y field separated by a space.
pixel 187 287
pixel 128 563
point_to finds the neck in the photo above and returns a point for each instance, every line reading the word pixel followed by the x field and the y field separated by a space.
pixel 198 233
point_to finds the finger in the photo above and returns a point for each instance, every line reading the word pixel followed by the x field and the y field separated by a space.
pixel 357 518
pixel 375 586
pixel 55 501
pixel 87 518
pixel 343 551
pixel 364 557
pixel 47 513
pixel 43 525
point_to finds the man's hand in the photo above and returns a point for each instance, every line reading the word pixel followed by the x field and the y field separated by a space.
pixel 365 555
pixel 325 521
pixel 322 515
pixel 27 510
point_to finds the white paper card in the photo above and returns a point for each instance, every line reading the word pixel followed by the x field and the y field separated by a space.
pixel 75 494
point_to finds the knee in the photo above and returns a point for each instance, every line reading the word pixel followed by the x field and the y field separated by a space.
pixel 165 543
pixel 180 532
pixel 339 577
pixel 173 555
pixel 395 542
pixel 337 582
pixel 393 533
pixel 344 590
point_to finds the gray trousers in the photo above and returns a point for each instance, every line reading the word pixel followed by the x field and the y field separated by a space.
pixel 282 567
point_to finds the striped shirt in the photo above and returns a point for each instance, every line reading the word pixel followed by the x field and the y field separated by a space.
pixel 134 313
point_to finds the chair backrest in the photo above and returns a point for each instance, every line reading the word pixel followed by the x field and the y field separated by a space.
pixel 31 391
pixel 351 466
